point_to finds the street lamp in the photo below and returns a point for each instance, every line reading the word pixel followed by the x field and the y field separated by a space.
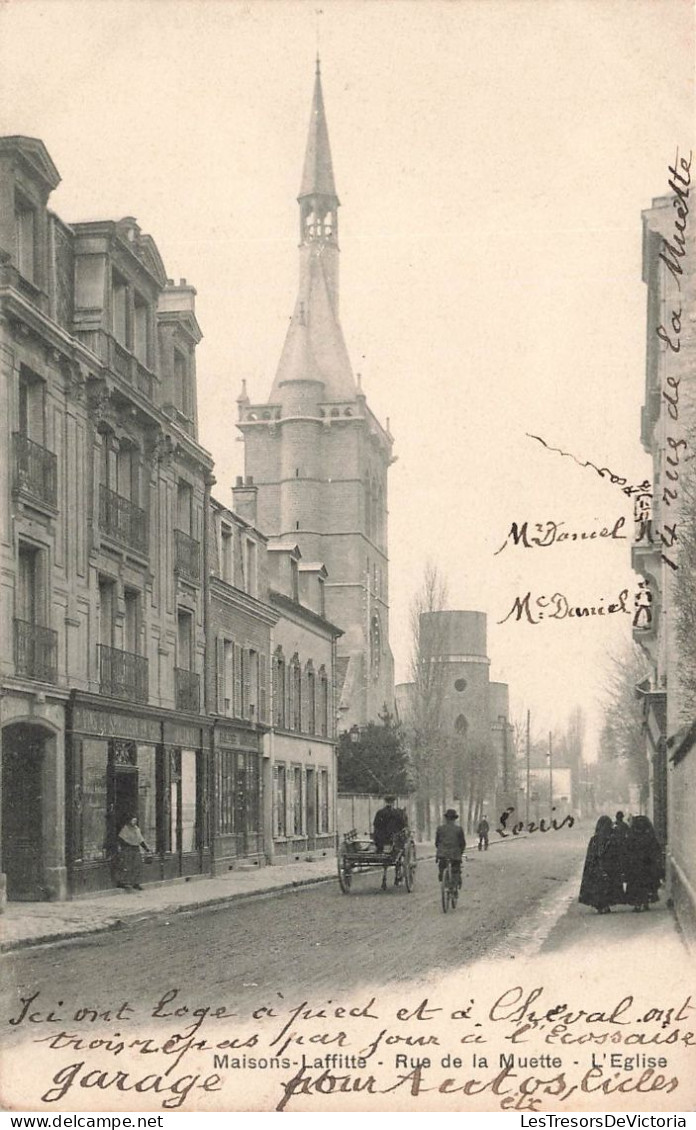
pixel 354 733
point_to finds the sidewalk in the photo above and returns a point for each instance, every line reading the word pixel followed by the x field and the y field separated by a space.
pixel 37 923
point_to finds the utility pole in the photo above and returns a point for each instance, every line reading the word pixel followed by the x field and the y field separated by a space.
pixel 550 776
pixel 528 774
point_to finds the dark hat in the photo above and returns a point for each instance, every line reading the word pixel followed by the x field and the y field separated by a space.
pixel 389 799
pixel 451 814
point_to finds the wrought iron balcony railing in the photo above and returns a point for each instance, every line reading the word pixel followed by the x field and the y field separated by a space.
pixel 35 651
pixel 122 520
pixel 122 674
pixel 187 688
pixel 187 556
pixel 35 470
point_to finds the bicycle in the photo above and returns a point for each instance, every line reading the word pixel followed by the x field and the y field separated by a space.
pixel 449 887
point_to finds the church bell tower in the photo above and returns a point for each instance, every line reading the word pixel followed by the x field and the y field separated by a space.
pixel 316 457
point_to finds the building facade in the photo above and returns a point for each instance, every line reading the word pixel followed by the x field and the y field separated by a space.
pixel 317 455
pixel 665 531
pixel 102 517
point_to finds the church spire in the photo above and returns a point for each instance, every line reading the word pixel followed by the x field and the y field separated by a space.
pixel 317 174
pixel 314 348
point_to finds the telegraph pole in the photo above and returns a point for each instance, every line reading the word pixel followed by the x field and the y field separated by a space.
pixel 528 754
pixel 550 776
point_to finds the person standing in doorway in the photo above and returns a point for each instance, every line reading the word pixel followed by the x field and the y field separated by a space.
pixel 130 863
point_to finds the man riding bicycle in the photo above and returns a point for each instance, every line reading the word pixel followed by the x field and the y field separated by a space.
pixel 450 845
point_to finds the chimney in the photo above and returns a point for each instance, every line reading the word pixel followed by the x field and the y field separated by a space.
pixel 244 499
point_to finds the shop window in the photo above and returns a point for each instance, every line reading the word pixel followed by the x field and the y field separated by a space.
pixel 93 800
pixel 147 794
pixel 225 792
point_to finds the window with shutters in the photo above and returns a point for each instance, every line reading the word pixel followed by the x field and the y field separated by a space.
pixel 323 705
pixel 323 821
pixel 297 807
pixel 279 801
pixel 279 688
pixel 310 705
pixel 263 676
pixel 295 694
pixel 238 704
pixel 228 677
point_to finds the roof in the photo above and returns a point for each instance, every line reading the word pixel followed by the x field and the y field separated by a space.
pixel 317 174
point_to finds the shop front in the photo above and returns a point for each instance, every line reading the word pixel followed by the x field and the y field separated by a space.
pixel 121 764
pixel 239 793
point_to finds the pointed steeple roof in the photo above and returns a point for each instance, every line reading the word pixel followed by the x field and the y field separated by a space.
pixel 317 175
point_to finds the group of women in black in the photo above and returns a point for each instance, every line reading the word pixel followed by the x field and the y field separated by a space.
pixel 623 865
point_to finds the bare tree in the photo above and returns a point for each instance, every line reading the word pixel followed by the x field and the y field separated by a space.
pixel 623 737
pixel 427 742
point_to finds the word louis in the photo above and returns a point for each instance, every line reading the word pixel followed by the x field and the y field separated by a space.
pixel 567 821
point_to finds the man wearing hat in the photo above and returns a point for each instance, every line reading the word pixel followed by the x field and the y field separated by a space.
pixel 387 823
pixel 450 845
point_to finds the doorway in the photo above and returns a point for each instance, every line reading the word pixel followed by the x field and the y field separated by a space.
pixel 23 757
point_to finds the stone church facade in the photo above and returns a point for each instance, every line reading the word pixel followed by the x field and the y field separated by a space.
pixel 317 458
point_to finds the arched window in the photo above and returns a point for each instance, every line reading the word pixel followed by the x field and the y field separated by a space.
pixel 461 725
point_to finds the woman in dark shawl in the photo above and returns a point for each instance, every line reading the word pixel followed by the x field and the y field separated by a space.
pixel 601 885
pixel 643 864
pixel 130 840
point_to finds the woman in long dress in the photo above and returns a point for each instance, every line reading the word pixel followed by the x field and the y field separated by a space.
pixel 644 867
pixel 130 840
pixel 601 885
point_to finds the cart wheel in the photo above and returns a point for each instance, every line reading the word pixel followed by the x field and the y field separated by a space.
pixel 345 875
pixel 409 866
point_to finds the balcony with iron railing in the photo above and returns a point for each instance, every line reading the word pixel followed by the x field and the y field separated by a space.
pixel 35 651
pixel 187 556
pixel 187 689
pixel 122 674
pixel 123 521
pixel 35 470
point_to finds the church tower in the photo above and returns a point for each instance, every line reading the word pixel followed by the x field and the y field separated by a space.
pixel 316 458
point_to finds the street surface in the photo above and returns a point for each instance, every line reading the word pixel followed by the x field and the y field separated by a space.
pixel 314 936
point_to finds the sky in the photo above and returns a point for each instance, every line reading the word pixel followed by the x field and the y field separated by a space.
pixel 492 159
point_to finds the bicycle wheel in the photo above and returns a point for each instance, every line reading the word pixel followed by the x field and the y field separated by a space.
pixel 445 888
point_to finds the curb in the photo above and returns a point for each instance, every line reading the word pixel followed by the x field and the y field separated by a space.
pixel 184 908
pixel 150 915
